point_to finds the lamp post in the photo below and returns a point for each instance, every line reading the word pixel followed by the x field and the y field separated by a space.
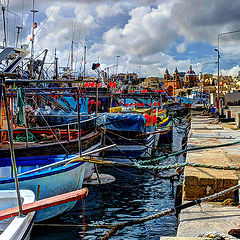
pixel 218 50
pixel 205 63
pixel 218 57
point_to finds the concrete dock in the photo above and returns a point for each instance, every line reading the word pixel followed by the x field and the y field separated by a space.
pixel 201 182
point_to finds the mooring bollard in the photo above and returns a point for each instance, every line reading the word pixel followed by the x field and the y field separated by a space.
pixel 228 114
pixel 237 119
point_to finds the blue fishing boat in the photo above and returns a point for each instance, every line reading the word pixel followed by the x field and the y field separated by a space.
pixel 130 134
pixel 53 179
pixel 164 128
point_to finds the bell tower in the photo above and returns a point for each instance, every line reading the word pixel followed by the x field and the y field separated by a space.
pixel 190 78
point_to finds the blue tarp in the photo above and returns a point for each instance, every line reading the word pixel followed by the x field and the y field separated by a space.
pixel 54 117
pixel 124 122
pixel 83 104
pixel 57 117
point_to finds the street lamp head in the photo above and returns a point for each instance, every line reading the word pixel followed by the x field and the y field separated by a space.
pixel 216 50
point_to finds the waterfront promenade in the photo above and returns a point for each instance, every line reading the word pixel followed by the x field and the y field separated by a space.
pixel 200 182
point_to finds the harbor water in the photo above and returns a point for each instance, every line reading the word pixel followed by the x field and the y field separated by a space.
pixel 134 194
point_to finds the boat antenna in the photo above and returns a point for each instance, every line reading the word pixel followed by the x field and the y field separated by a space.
pixel 4 5
pixel 18 33
pixel 14 166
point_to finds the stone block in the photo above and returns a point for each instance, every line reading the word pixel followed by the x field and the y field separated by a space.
pixel 193 192
pixel 190 180
pixel 227 183
pixel 208 181
pixel 220 183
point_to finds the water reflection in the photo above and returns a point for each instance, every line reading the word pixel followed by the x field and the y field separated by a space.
pixel 132 196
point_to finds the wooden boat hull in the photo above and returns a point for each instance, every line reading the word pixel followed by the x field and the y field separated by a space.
pixel 133 151
pixel 166 136
pixel 18 228
pixel 54 148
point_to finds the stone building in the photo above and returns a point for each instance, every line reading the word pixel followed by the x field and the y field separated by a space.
pixel 190 78
pixel 172 83
pixel 152 82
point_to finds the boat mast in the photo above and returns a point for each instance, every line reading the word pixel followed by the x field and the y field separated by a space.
pixel 56 64
pixel 71 57
pixel 84 59
pixel 79 125
pixel 4 5
pixel 32 40
pixel 14 166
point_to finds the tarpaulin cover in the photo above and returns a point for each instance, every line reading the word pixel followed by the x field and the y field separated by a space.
pixel 57 117
pixel 124 122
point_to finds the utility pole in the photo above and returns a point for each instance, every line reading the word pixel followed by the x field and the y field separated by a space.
pixel 18 33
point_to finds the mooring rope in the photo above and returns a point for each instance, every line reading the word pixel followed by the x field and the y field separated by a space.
pixel 186 164
pixel 218 235
pixel 121 226
pixel 156 160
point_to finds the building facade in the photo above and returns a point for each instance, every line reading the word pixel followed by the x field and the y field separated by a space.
pixel 190 78
pixel 172 83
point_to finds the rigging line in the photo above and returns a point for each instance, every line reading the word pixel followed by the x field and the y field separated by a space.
pixel 12 13
pixel 130 140
pixel 132 174
pixel 7 23
pixel 23 5
pixel 51 128
pixel 44 22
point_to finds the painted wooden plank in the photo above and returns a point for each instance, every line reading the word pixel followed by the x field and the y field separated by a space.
pixel 45 203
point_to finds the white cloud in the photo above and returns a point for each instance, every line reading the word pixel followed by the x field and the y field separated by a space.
pixel 181 48
pixel 230 72
pixel 152 29
pixel 109 10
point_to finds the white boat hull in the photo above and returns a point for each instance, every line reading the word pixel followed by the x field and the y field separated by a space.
pixel 17 228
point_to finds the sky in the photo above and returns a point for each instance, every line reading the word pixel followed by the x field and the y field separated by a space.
pixel 147 35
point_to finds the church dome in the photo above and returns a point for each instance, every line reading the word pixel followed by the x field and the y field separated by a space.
pixel 190 71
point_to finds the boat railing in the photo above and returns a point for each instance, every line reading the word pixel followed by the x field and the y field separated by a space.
pixel 60 126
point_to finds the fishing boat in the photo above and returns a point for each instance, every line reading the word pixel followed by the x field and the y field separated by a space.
pixel 57 131
pixel 50 180
pixel 164 128
pixel 129 132
pixel 16 228
pixel 66 142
